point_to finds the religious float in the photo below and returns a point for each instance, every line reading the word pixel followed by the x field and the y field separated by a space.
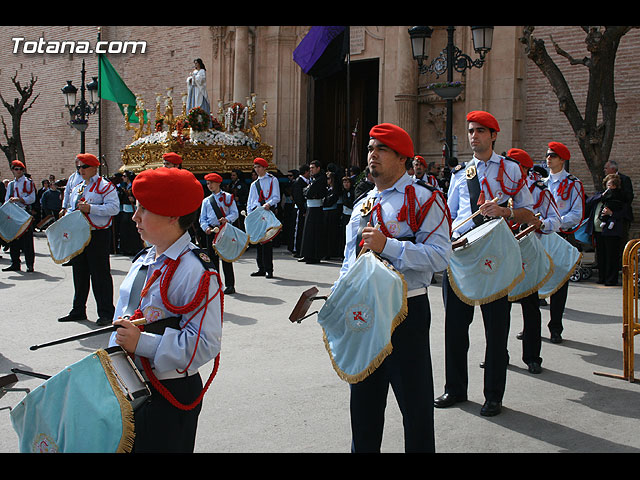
pixel 207 143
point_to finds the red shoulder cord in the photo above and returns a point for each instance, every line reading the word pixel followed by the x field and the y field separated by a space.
pixel 408 212
pixel 565 193
pixel 224 200
pixel 519 184
pixel 95 188
pixel 201 294
pixel 261 197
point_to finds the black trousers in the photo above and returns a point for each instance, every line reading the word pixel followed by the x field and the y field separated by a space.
pixel 227 268
pixel 532 319
pixel 458 318
pixel 23 244
pixel 608 251
pixel 408 370
pixel 264 257
pixel 557 302
pixel 92 268
pixel 162 427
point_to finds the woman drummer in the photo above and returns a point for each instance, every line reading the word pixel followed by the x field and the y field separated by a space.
pixel 178 282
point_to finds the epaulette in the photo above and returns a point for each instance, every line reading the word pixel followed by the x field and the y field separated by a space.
pixel 140 253
pixel 540 184
pixel 204 258
pixel 457 168
pixel 572 177
pixel 426 185
pixel 512 159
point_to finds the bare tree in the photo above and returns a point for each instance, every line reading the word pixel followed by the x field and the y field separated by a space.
pixel 595 129
pixel 13 149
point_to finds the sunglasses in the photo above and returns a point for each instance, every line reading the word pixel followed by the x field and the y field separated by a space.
pixel 18 169
pixel 78 167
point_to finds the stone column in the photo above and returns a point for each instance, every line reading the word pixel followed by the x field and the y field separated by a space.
pixel 241 67
pixel 406 96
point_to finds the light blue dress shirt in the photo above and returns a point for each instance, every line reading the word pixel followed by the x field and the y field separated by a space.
pixel 458 194
pixel 268 183
pixel 418 261
pixel 17 188
pixel 571 209
pixel 103 197
pixel 172 351
pixel 547 207
pixel 208 217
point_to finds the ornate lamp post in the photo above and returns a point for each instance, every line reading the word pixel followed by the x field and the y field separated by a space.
pixel 83 109
pixel 450 59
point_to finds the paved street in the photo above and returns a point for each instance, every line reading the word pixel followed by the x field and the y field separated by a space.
pixel 277 392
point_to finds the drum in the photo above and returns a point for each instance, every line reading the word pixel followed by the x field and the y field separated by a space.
pixel 538 267
pixel 68 236
pixel 565 257
pixel 488 265
pixel 360 315
pixel 81 409
pixel 14 221
pixel 261 225
pixel 230 242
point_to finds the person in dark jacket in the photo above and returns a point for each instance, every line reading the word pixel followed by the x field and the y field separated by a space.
pixel 313 242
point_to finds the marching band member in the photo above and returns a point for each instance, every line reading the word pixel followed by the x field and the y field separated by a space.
pixel 548 222
pixel 264 191
pixel 22 192
pixel 171 160
pixel 218 209
pixel 486 177
pixel 97 198
pixel 417 243
pixel 180 284
pixel 569 196
pixel 421 172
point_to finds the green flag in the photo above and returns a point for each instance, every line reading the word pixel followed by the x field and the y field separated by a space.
pixel 114 89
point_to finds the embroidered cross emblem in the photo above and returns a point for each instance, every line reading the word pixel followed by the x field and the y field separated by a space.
pixel 357 316
pixel 65 235
pixel 487 263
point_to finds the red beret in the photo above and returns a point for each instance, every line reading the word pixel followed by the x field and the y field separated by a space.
pixel 261 161
pixel 213 177
pixel 521 156
pixel 560 149
pixel 88 159
pixel 393 137
pixel 483 118
pixel 421 160
pixel 18 163
pixel 171 192
pixel 172 157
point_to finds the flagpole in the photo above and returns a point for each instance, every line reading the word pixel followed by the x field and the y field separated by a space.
pixel 348 129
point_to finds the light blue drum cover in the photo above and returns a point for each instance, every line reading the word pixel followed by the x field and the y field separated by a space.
pixel 261 225
pixel 488 267
pixel 360 315
pixel 538 267
pixel 14 221
pixel 79 410
pixel 230 242
pixel 565 258
pixel 68 236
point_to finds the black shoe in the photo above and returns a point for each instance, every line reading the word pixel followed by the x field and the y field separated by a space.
pixel 229 290
pixel 491 408
pixel 556 338
pixel 104 322
pixel 72 318
pixel 269 275
pixel 447 400
pixel 520 335
pixel 259 273
pixel 12 268
pixel 534 367
pixel 30 269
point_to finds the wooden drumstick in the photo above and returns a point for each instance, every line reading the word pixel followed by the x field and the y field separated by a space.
pixel 471 216
pixel 365 249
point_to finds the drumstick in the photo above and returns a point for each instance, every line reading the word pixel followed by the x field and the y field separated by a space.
pixel 471 216
pixel 112 328
pixel 365 249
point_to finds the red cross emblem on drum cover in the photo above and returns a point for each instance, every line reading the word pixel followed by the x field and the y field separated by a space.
pixel 487 263
pixel 357 316
pixel 65 235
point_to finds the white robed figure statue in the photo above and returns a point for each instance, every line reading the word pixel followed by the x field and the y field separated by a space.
pixel 197 88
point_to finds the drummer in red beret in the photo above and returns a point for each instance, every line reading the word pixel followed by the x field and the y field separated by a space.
pixel 216 210
pixel 568 191
pixel 171 160
pixel 21 191
pixel 417 246
pixel 181 303
pixel 487 184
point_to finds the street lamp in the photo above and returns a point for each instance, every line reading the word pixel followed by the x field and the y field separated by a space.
pixel 83 108
pixel 450 59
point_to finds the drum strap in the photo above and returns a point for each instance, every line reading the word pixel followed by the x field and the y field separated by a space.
pixel 215 206
pixel 473 184
pixel 136 290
